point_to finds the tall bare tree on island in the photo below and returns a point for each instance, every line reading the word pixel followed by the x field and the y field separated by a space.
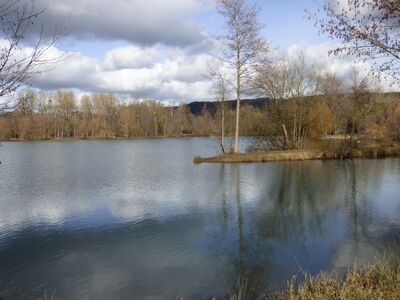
pixel 18 65
pixel 243 45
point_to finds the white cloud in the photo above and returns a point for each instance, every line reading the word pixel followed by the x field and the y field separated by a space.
pixel 161 73
pixel 186 68
pixel 130 57
pixel 318 56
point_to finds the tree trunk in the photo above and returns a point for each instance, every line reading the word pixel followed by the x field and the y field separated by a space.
pixel 223 118
pixel 236 149
pixel 223 132
pixel 285 136
pixel 74 125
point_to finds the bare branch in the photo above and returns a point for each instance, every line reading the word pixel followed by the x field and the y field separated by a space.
pixel 369 30
pixel 19 61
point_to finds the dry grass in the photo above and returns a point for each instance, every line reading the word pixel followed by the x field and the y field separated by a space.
pixel 379 280
pixel 263 156
pixel 302 154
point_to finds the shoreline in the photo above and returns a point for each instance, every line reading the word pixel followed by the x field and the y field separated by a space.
pixel 102 138
pixel 301 155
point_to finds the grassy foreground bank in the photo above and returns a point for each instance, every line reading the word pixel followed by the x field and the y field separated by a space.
pixel 303 154
pixel 378 280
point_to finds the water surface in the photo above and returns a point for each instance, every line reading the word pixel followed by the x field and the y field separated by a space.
pixel 137 219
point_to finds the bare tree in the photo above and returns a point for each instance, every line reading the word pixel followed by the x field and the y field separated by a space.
pixel 361 104
pixel 220 93
pixel 242 44
pixel 369 29
pixel 18 65
pixel 332 88
pixel 290 84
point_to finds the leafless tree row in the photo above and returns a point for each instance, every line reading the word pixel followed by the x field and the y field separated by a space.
pixel 314 107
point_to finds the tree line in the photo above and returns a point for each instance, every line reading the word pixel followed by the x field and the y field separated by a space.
pixel 58 115
pixel 294 115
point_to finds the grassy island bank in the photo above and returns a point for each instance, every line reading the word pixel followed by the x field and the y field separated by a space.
pixel 303 154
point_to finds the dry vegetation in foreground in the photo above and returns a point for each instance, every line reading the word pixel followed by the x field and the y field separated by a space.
pixel 375 281
pixel 378 280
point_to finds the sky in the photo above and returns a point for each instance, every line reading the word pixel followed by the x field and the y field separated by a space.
pixel 160 49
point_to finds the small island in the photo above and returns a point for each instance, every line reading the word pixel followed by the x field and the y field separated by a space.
pixel 299 155
pixel 374 151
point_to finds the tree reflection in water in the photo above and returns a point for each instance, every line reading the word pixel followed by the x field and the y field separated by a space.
pixel 311 216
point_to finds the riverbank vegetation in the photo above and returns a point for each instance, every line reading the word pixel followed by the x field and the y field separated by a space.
pixel 60 115
pixel 377 280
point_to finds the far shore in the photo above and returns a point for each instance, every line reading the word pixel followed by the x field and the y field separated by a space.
pixel 303 154
pixel 105 138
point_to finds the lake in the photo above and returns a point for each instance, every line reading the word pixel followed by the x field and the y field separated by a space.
pixel 136 219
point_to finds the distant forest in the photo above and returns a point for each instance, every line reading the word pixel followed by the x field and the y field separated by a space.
pixel 59 115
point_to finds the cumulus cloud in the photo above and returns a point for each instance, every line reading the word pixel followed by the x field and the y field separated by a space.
pixel 139 22
pixel 168 74
pixel 317 56
pixel 130 57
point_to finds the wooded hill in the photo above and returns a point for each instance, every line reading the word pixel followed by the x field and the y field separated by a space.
pixel 198 107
